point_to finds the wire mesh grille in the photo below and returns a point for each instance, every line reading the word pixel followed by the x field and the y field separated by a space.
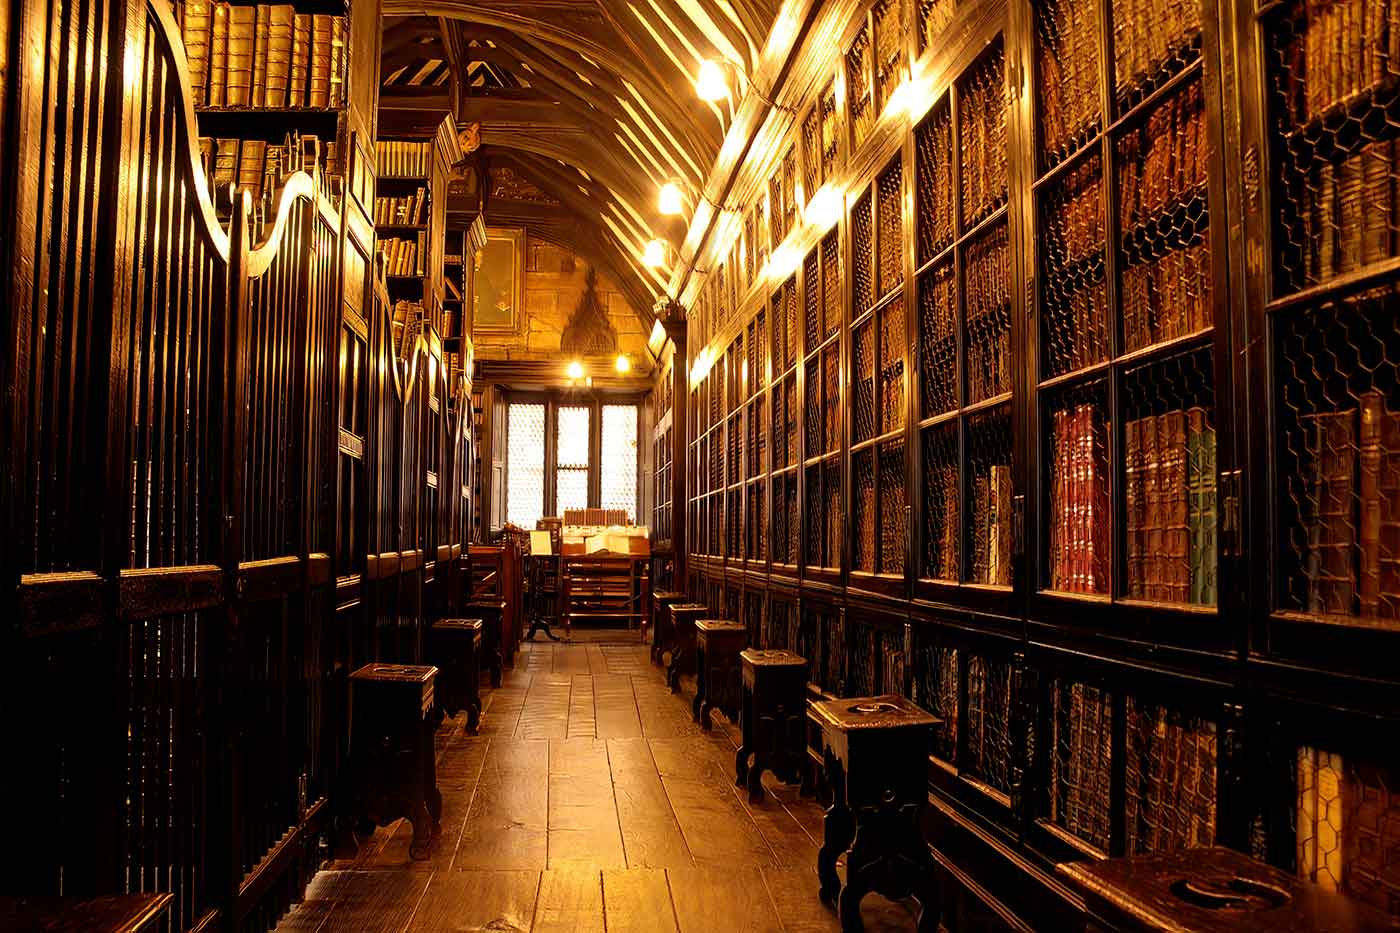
pixel 831 285
pixel 863 518
pixel 862 255
pixel 813 430
pixel 617 477
pixel 988 750
pixel 785 518
pixel 941 503
pixel 815 512
pixel 831 131
pixel 989 441
pixel 987 296
pixel 1081 763
pixel 835 527
pixel 524 464
pixel 812 299
pixel 935 16
pixel 933 194
pixel 889 189
pixel 831 398
pixel 834 673
pixel 893 520
pixel 1335 110
pixel 936 687
pixel 1152 41
pixel 778 223
pixel 757 523
pixel 734 519
pixel 1067 72
pixel 982 115
pixel 1169 480
pixel 862 666
pixel 736 379
pixel 859 93
pixel 807 641
pixel 891 388
pixel 1337 413
pixel 889 51
pixel 758 353
pixel 812 152
pixel 734 432
pixel 1170 761
pixel 1072 286
pixel 1076 503
pixel 938 340
pixel 732 596
pixel 893 663
pixel 862 387
pixel 1347 826
pixel 1164 222
pixel 778 624
pixel 758 437
pixel 785 329
pixel 754 615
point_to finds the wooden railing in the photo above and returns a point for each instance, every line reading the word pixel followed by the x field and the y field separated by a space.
pixel 224 488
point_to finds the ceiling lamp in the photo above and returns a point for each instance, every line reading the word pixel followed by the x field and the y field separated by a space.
pixel 655 254
pixel 623 363
pixel 670 201
pixel 710 84
pixel 575 370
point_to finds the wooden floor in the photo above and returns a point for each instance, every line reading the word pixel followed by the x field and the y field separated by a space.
pixel 590 802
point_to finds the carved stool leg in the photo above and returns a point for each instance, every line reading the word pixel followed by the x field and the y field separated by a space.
pixel 422 824
pixel 755 781
pixel 701 683
pixel 746 715
pixel 861 865
pixel 838 828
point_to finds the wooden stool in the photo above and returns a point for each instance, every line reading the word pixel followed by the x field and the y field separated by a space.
pixel 493 615
pixel 119 913
pixel 683 619
pixel 875 751
pixel 773 718
pixel 1212 890
pixel 391 748
pixel 661 604
pixel 454 646
pixel 717 647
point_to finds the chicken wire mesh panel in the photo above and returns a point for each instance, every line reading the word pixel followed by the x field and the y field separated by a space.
pixel 1169 480
pixel 1170 783
pixel 891 378
pixel 1081 760
pixel 777 226
pixel 1346 825
pixel 1153 40
pixel 831 398
pixel 831 131
pixel 732 605
pixel 813 554
pixel 834 654
pixel 738 383
pixel 715 503
pixel 734 520
pixel 785 518
pixel 758 353
pixel 889 51
pixel 754 615
pixel 942 544
pixel 889 206
pixel 893 518
pixel 831 285
pixel 862 386
pixel 807 641
pixel 987 297
pixel 934 17
pixel 757 438
pixel 524 464
pixel 933 182
pixel 863 517
pixel 812 152
pixel 936 687
pixel 987 754
pixel 779 624
pixel 938 340
pixel 982 112
pixel 785 329
pixel 785 417
pixel 863 649
pixel 1067 73
pixel 815 442
pixel 859 93
pixel 893 664
pixel 757 523
pixel 1076 502
pixel 734 433
pixel 1337 420
pixel 1072 293
pixel 834 512
pixel 617 467
pixel 812 299
pixel 1335 113
pixel 1164 222
pixel 862 255
pixel 989 518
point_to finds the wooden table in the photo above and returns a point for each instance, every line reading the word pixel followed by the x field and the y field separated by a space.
pixel 121 913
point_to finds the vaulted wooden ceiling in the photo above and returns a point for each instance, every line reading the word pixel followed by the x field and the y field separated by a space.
pixel 592 102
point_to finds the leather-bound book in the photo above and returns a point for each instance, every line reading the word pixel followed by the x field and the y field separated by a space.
pixel 300 60
pixel 196 29
pixel 217 95
pixel 242 28
pixel 261 26
pixel 280 27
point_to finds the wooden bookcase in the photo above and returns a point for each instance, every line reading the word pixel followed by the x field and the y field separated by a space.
pixel 605 589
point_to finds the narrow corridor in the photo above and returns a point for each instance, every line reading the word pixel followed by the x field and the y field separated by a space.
pixel 589 801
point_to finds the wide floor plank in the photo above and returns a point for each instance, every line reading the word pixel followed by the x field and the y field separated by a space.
pixel 638 900
pixel 570 901
pixel 470 901
pixel 731 899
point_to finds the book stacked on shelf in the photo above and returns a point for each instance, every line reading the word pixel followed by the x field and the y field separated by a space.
pixel 1082 767
pixel 259 166
pixel 1349 210
pixel 943 500
pixel 404 257
pixel 1167 297
pixel 991 526
pixel 1171 767
pixel 1150 35
pixel 267 56
pixel 397 158
pixel 1169 462
pixel 407 320
pixel 1162 165
pixel 1349 47
pixel 410 209
pixel 1352 511
pixel 988 301
pixel 1079 523
pixel 1068 67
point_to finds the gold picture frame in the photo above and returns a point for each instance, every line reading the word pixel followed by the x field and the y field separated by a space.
pixel 498 282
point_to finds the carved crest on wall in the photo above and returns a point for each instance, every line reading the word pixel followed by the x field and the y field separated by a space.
pixel 589 332
pixel 509 185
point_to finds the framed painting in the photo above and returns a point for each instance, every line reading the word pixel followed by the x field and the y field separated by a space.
pixel 498 281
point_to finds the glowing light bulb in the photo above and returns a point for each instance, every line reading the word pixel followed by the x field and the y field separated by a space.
pixel 709 83
pixel 655 254
pixel 623 363
pixel 670 200
pixel 575 370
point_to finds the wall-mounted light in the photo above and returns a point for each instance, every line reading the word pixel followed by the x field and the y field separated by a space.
pixel 623 364
pixel 824 208
pixel 575 370
pixel 670 201
pixel 655 254
pixel 710 84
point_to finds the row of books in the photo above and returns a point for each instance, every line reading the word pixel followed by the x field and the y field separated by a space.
pixel 1080 554
pixel 982 107
pixel 407 320
pixel 934 182
pixel 991 526
pixel 1067 65
pixel 399 157
pixel 988 301
pixel 403 256
pixel 1075 218
pixel 1352 511
pixel 1148 34
pixel 408 209
pixel 1167 297
pixel 1351 211
pixel 1171 780
pixel 1348 814
pixel 259 166
pixel 1169 464
pixel 1349 47
pixel 1081 768
pixel 267 55
pixel 1163 163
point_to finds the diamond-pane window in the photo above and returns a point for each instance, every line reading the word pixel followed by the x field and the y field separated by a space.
pixel 618 463
pixel 525 464
pixel 572 467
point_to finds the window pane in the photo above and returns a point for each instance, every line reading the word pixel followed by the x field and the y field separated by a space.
pixel 619 466
pixel 525 465
pixel 572 473
pixel 573 490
